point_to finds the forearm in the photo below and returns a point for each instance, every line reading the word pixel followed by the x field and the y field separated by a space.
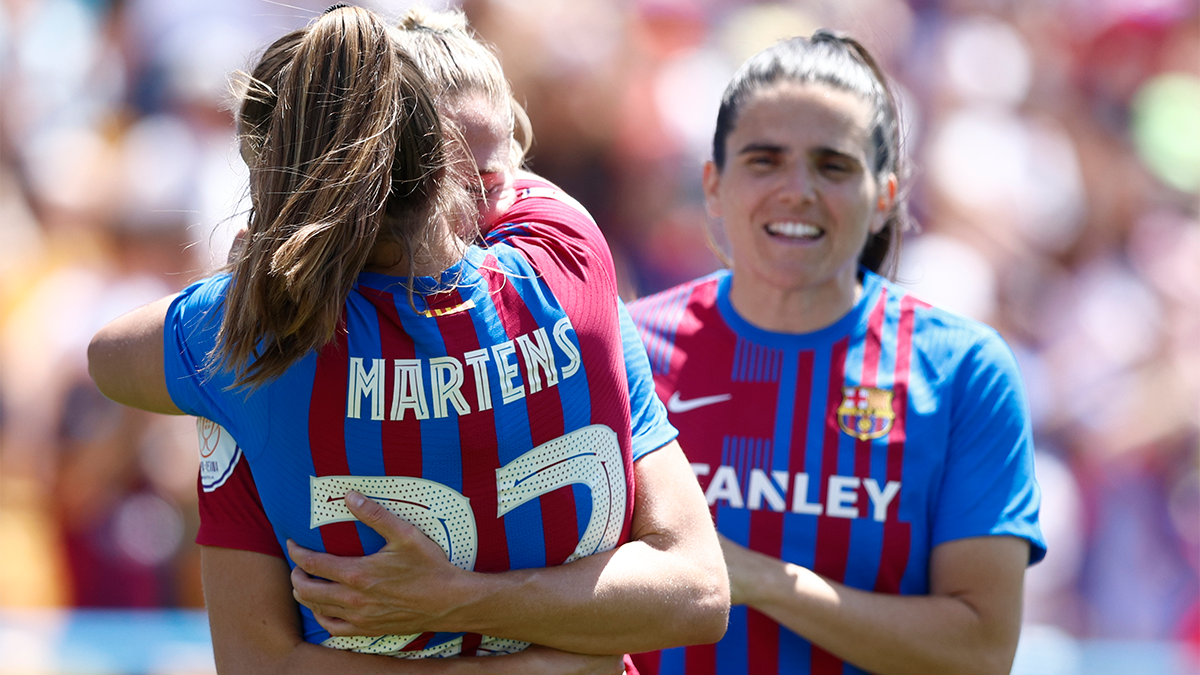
pixel 312 659
pixel 666 587
pixel 634 598
pixel 883 633
pixel 256 630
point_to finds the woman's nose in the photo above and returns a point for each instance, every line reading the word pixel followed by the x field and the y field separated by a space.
pixel 798 185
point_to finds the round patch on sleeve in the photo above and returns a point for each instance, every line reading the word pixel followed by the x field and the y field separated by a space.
pixel 219 454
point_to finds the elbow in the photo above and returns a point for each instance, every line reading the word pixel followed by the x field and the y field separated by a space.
pixel 998 661
pixel 714 623
pixel 97 353
pixel 710 610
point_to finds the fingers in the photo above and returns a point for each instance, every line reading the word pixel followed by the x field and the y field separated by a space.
pixel 390 526
pixel 318 564
pixel 341 627
pixel 322 597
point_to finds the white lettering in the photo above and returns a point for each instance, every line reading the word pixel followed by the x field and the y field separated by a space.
pixel 800 503
pixel 843 492
pixel 724 485
pixel 760 487
pixel 483 391
pixel 364 383
pixel 538 356
pixel 447 376
pixel 408 390
pixel 881 499
pixel 701 469
pixel 508 371
pixel 565 343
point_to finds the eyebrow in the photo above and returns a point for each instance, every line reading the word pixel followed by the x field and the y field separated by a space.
pixel 776 148
pixel 760 147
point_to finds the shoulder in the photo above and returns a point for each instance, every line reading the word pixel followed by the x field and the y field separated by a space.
pixel 202 296
pixel 539 202
pixel 953 347
pixel 666 309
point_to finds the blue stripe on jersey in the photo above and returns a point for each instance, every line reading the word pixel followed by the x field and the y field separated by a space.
pixel 287 508
pixel 734 524
pixel 795 653
pixel 815 442
pixel 524 523
pixel 672 662
pixel 364 436
pixel 733 656
pixel 437 433
pixel 785 410
pixel 753 362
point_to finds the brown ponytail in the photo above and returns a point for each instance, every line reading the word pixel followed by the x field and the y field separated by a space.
pixel 345 149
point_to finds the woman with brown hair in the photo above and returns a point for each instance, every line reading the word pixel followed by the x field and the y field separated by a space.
pixel 362 345
pixel 867 457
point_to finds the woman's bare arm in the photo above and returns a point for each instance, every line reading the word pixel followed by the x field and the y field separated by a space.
pixel 666 587
pixel 125 358
pixel 968 624
pixel 256 631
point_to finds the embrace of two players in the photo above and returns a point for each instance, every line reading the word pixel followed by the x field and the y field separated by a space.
pixel 431 428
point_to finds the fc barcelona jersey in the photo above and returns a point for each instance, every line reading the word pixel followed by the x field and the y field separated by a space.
pixel 494 415
pixel 852 451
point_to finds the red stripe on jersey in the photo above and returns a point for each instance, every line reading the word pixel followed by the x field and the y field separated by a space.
pixel 873 346
pixel 470 643
pixel 762 642
pixel 647 663
pixel 478 443
pixel 766 527
pixel 703 336
pixel 401 438
pixel 232 516
pixel 327 433
pixel 700 660
pixel 418 644
pixel 544 408
pixel 833 534
pixel 897 536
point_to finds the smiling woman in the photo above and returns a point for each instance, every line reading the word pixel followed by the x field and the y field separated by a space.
pixel 798 202
pixel 867 457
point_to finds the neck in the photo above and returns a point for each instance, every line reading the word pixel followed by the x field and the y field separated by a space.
pixel 792 310
pixel 444 251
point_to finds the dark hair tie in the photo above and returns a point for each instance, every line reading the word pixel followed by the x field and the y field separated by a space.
pixel 340 5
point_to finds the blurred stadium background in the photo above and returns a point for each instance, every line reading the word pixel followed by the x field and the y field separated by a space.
pixel 1057 146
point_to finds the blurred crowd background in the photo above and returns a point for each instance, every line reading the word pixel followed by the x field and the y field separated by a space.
pixel 1056 146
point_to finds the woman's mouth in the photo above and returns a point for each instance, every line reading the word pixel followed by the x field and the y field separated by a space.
pixel 795 230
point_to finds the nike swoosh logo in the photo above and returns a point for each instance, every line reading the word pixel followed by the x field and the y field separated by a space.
pixel 678 405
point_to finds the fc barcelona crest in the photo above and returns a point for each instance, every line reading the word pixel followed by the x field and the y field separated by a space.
pixel 865 412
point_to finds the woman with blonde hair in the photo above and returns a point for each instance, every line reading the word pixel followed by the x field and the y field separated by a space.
pixel 362 345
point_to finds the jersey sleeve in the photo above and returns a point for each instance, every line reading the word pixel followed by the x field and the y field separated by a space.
pixel 189 335
pixel 651 430
pixel 556 233
pixel 232 515
pixel 989 487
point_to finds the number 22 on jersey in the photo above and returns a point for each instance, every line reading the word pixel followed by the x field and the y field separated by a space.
pixel 590 456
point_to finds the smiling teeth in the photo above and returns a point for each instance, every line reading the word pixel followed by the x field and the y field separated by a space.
pixel 794 229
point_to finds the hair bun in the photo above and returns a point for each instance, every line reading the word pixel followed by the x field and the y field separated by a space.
pixel 419 18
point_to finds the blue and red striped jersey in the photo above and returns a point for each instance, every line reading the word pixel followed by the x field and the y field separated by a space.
pixel 853 450
pixel 494 415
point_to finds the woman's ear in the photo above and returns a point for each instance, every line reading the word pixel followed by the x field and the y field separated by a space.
pixel 712 184
pixel 885 204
